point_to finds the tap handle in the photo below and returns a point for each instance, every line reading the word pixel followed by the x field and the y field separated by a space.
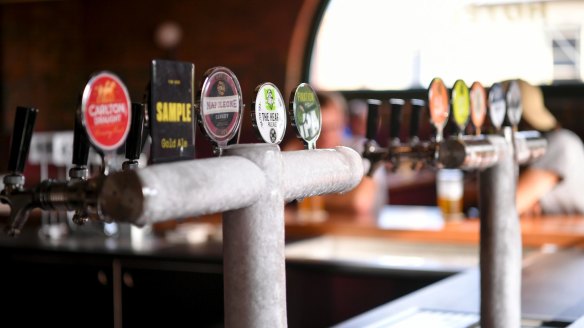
pixel 417 105
pixel 395 124
pixel 134 141
pixel 21 136
pixel 80 145
pixel 372 118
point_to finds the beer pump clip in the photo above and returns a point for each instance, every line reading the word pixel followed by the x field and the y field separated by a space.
pixel 514 107
pixel 460 100
pixel 268 113
pixel 497 106
pixel 171 120
pixel 219 107
pixel 478 106
pixel 438 107
pixel 305 114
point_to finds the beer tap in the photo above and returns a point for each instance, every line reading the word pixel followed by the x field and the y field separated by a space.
pixel 414 140
pixel 105 116
pixel 372 151
pixel 416 107
pixel 80 153
pixel 14 194
pixel 134 140
pixel 398 150
pixel 80 171
pixel 394 142
pixel 418 152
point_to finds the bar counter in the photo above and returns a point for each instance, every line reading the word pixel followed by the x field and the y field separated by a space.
pixel 330 265
pixel 552 296
pixel 558 231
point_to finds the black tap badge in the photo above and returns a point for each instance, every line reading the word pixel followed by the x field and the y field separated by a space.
pixel 220 105
pixel 269 113
pixel 170 110
pixel 304 112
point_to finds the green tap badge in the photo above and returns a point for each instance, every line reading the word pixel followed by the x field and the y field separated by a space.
pixel 460 104
pixel 304 112
pixel 269 113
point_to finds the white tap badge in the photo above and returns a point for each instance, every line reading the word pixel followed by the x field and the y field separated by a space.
pixel 497 106
pixel 269 113
pixel 220 105
pixel 514 108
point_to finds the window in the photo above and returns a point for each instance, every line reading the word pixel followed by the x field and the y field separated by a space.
pixel 397 45
pixel 566 52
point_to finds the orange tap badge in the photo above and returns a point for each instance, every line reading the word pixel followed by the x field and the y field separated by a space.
pixel 478 105
pixel 438 103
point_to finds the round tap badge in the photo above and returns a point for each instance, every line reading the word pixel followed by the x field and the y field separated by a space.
pixel 438 103
pixel 220 105
pixel 269 113
pixel 304 111
pixel 460 104
pixel 497 105
pixel 478 104
pixel 105 111
pixel 514 108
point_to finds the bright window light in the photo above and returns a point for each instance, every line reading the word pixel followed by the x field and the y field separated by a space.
pixel 396 45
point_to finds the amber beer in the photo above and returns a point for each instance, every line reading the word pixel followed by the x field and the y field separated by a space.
pixel 449 184
pixel 311 209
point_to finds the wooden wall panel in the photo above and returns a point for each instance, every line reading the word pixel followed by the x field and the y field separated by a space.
pixel 48 49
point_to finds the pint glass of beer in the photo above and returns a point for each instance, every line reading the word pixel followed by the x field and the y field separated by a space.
pixel 449 191
pixel 311 209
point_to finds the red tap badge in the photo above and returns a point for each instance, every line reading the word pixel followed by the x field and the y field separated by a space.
pixel 105 111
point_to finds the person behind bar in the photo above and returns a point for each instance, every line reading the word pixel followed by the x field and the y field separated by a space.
pixel 553 183
pixel 370 195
